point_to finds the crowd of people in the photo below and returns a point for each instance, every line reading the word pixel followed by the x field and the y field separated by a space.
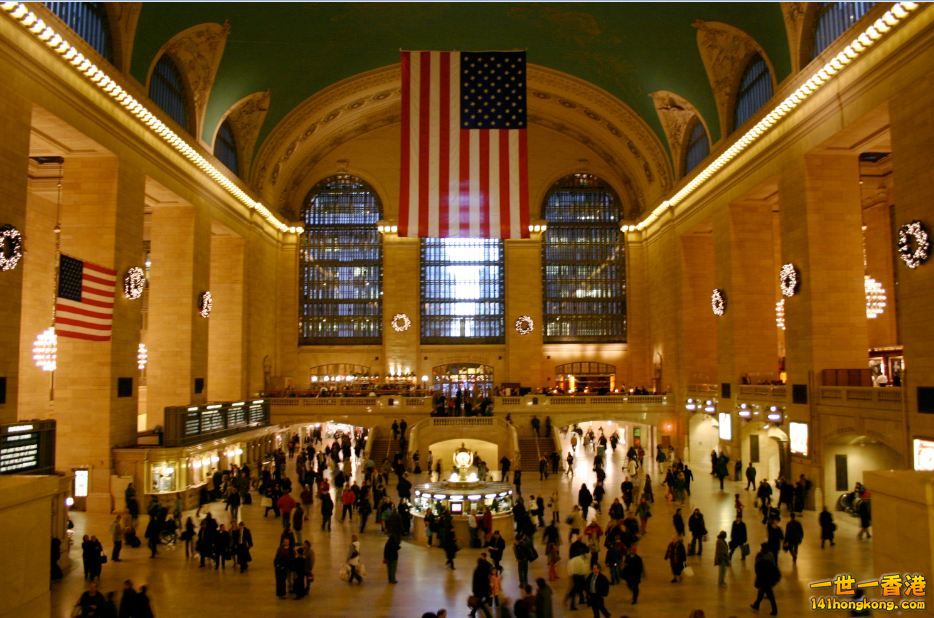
pixel 602 532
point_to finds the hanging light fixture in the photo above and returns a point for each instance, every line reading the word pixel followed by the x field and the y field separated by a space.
pixel 45 350
pixel 875 298
pixel 780 314
pixel 142 356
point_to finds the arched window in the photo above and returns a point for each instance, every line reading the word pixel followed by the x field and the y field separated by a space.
pixel 225 147
pixel 89 21
pixel 755 88
pixel 835 18
pixel 463 298
pixel 583 263
pixel 167 90
pixel 340 264
pixel 698 146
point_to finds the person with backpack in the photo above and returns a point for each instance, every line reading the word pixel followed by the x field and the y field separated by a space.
pixel 525 553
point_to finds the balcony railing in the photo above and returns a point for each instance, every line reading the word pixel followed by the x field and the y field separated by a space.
pixel 763 392
pixel 888 398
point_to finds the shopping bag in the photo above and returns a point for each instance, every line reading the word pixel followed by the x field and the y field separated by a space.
pixel 344 573
pixel 688 571
pixel 362 570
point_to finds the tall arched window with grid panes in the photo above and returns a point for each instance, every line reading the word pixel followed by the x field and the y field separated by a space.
pixel 340 264
pixel 755 89
pixel 89 21
pixel 462 290
pixel 583 263
pixel 833 19
pixel 167 90
pixel 225 147
pixel 697 147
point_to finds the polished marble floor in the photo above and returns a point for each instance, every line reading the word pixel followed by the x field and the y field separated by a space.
pixel 179 588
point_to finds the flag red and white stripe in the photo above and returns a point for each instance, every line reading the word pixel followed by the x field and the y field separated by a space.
pixel 456 182
pixel 85 300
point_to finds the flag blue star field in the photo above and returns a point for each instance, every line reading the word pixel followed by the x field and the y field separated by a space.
pixel 464 149
pixel 84 305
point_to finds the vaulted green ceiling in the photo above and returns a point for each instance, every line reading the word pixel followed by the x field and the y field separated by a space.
pixel 296 49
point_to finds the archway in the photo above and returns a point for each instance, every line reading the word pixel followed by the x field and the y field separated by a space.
pixel 703 437
pixel 766 446
pixel 847 456
pixel 469 378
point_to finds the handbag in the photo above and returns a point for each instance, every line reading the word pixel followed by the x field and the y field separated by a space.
pixel 103 558
pixel 688 571
pixel 745 549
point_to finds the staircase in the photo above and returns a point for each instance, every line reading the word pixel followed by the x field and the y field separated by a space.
pixel 546 446
pixel 383 448
pixel 528 450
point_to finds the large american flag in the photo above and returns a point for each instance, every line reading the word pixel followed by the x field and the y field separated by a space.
pixel 464 149
pixel 85 304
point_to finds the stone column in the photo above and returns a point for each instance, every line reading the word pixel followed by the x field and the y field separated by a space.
pixel 699 327
pixel 180 254
pixel 821 222
pixel 401 294
pixel 14 157
pixel 912 130
pixel 102 223
pixel 226 366
pixel 524 297
pixel 639 353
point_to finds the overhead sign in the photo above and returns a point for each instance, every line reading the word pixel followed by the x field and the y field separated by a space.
pixel 27 448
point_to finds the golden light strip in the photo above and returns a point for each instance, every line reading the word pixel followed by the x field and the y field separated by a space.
pixel 866 39
pixel 44 33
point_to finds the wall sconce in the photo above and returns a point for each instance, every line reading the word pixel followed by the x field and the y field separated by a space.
pixel 710 406
pixel 691 404
pixel 744 411
pixel 776 414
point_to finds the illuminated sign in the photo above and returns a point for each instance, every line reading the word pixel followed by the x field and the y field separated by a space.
pixel 924 454
pixel 798 433
pixel 27 448
pixel 81 483
pixel 726 426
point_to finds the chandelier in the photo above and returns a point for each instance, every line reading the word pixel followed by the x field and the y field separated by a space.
pixel 780 314
pixel 45 350
pixel 875 297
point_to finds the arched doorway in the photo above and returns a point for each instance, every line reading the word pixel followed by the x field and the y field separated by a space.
pixel 703 437
pixel 473 379
pixel 848 455
pixel 766 446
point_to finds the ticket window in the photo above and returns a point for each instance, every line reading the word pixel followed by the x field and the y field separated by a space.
pixel 163 478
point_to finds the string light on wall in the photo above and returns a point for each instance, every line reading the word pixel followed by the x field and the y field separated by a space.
pixel 718 302
pixel 878 30
pixel 45 350
pixel 914 244
pixel 206 304
pixel 11 247
pixel 789 280
pixel 133 283
pixel 875 298
pixel 780 314
pixel 524 325
pixel 401 323
pixel 142 356
pixel 28 20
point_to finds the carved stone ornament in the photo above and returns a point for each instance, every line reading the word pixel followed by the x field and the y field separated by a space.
pixel 675 113
pixel 246 118
pixel 725 51
pixel 794 14
pixel 198 51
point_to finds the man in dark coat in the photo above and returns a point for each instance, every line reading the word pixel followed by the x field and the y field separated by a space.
pixel 738 536
pixel 391 557
pixel 598 587
pixel 767 576
pixel 632 572
pixel 480 586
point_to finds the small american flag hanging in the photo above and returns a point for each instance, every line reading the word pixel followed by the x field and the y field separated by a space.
pixel 84 305
pixel 464 148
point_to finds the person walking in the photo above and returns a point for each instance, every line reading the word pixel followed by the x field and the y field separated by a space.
pixel 767 577
pixel 750 476
pixel 739 537
pixel 633 570
pixel 298 522
pixel 827 527
pixel 450 547
pixel 643 512
pixel 794 536
pixel 517 481
pixel 391 557
pixel 496 545
pixel 282 565
pixel 480 585
pixel 116 534
pixel 677 520
pixel 721 557
pixel 584 500
pixel 523 551
pixel 504 466
pixel 865 517
pixel 598 587
pixel 676 557
pixel 353 561
pixel 544 607
pixel 570 461
pixel 244 545
pixel 327 511
pixel 698 532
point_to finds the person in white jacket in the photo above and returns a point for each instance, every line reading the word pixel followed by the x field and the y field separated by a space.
pixel 353 561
